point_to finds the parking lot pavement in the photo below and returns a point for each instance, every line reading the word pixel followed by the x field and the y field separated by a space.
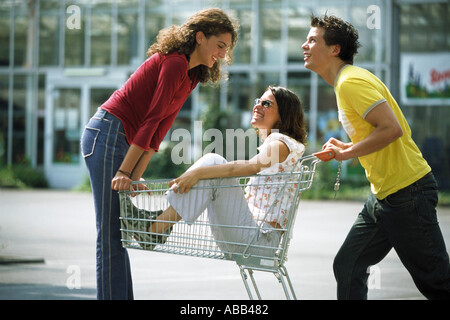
pixel 52 234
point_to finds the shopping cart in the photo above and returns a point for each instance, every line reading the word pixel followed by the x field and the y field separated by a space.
pixel 140 208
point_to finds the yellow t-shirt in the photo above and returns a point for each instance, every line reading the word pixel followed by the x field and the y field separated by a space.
pixel 400 163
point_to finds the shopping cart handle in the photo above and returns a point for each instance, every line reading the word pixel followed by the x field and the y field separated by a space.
pixel 325 155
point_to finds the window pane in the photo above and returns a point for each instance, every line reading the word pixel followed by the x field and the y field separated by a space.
pixel 66 126
pixel 298 24
pixel 242 51
pixel 20 39
pixel 128 3
pixel 154 22
pixel 74 46
pixel 41 120
pixel 101 37
pixel 422 27
pixel 49 38
pixel 127 38
pixel 181 14
pixel 98 97
pixel 270 21
pixel 240 92
pixel 5 22
pixel 328 125
pixel 300 83
pixel 4 85
pixel 19 120
pixel 367 37
pixel 265 80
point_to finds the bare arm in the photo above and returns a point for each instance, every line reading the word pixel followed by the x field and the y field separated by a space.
pixel 133 166
pixel 142 164
pixel 277 152
pixel 386 130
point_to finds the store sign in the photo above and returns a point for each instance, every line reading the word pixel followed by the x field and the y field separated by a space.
pixel 425 78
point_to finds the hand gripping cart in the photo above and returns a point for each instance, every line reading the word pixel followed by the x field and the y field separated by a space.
pixel 141 208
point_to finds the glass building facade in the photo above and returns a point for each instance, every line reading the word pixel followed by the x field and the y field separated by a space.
pixel 61 59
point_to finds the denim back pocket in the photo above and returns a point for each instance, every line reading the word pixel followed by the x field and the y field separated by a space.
pixel 88 141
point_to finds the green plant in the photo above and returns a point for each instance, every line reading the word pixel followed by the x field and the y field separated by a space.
pixel 22 176
pixel 32 177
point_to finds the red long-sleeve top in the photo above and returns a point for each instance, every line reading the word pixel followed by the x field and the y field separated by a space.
pixel 151 98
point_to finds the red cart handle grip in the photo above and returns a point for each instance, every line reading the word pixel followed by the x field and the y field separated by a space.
pixel 325 155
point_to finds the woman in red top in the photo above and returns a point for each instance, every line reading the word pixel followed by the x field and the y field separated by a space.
pixel 121 138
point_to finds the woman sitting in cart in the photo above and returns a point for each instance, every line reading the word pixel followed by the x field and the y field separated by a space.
pixel 279 119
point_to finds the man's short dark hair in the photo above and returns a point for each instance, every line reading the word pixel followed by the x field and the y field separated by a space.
pixel 340 32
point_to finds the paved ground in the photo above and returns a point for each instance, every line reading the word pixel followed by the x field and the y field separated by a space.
pixel 55 231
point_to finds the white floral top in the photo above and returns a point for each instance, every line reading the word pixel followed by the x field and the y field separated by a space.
pixel 260 195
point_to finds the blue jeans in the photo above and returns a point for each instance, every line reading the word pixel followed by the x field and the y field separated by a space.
pixel 407 222
pixel 103 146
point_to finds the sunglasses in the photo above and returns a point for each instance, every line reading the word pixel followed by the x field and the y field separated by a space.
pixel 264 103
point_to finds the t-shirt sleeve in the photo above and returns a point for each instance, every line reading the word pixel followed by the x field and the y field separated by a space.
pixel 360 95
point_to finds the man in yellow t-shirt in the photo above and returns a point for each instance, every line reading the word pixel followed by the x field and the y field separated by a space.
pixel 398 164
pixel 400 213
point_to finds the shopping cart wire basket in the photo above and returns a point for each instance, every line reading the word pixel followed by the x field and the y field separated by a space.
pixel 200 238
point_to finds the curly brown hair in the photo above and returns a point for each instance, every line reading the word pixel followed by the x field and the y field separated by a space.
pixel 292 118
pixel 212 22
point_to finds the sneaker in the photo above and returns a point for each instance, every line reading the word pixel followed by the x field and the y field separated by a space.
pixel 136 223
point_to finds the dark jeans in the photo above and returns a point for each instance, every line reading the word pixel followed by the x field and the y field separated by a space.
pixel 407 222
pixel 104 147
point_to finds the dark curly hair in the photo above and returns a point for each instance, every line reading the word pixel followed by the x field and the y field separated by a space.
pixel 292 118
pixel 212 22
pixel 340 32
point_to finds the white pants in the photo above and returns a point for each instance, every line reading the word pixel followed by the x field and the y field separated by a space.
pixel 225 207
